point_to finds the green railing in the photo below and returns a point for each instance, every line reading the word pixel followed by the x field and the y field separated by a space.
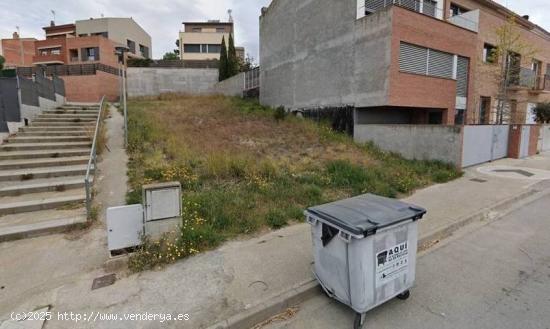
pixel 93 159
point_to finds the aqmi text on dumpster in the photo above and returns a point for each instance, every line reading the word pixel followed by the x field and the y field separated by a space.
pixel 391 263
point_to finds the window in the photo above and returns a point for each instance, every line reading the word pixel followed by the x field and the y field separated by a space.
pixel 144 51
pixel 429 7
pixel 196 29
pixel 43 52
pixel 459 116
pixel 90 54
pixel 484 110
pixel 214 49
pixel 73 55
pixel 56 51
pixel 435 118
pixel 220 29
pixel 489 53
pixel 457 10
pixel 131 45
pixel 425 61
pixel 191 48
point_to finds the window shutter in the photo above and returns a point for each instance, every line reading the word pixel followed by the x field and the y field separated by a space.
pixel 84 54
pixel 413 59
pixel 440 64
pixel 96 53
pixel 462 77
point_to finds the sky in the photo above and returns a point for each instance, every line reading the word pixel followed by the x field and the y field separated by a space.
pixel 162 18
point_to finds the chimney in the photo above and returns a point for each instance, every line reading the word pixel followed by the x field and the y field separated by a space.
pixel 52 23
pixel 526 17
pixel 15 35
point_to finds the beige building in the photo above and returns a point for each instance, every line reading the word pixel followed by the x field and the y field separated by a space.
pixel 202 40
pixel 124 31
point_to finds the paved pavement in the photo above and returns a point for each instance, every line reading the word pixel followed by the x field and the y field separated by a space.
pixel 210 287
pixel 496 277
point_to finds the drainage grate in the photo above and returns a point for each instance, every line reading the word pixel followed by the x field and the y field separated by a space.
pixel 104 281
pixel 478 180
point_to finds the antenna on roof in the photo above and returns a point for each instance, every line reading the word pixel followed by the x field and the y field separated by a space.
pixel 229 12
pixel 53 14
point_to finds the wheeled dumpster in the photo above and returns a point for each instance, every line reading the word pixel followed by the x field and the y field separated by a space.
pixel 365 250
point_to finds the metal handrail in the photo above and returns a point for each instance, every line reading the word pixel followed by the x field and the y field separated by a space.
pixel 93 158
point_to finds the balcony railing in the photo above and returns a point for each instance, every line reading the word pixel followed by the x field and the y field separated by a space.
pixel 425 7
pixel 527 78
pixel 74 69
pixel 50 58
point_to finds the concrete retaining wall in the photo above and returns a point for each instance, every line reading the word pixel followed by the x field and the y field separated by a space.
pixel 420 142
pixel 233 86
pixel 145 81
pixel 329 68
pixel 544 139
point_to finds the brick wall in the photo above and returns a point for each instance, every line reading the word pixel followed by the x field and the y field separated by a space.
pixel 11 49
pixel 90 88
pixel 419 90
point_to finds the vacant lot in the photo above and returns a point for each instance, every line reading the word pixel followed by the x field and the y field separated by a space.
pixel 244 167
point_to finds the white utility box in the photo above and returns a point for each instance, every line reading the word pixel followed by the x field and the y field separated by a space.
pixel 124 226
pixel 162 201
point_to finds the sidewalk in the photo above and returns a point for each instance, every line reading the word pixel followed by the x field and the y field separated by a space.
pixel 242 275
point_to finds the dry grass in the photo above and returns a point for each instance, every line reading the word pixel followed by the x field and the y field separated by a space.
pixel 242 170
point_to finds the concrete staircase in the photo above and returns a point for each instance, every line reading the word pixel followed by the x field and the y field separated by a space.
pixel 42 170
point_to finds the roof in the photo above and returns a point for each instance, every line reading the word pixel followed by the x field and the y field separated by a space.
pixel 59 27
pixel 209 23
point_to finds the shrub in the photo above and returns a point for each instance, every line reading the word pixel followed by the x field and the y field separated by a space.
pixel 276 219
pixel 279 114
pixel 542 112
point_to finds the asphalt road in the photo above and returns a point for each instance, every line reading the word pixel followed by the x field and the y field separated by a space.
pixel 495 277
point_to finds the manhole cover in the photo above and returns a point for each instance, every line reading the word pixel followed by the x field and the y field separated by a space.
pixel 515 171
pixel 104 281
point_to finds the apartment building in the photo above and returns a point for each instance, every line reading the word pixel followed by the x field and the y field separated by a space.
pixel 17 51
pixel 395 61
pixel 121 30
pixel 202 40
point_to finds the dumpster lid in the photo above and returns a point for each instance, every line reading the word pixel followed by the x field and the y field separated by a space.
pixel 365 214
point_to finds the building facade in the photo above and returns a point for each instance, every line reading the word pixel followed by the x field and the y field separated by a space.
pixel 17 51
pixel 397 62
pixel 123 31
pixel 202 40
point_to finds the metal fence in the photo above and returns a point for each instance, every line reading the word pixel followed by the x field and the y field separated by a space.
pixel 93 158
pixel 9 103
pixel 64 70
pixel 252 79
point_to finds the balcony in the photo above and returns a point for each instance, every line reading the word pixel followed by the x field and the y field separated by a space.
pixel 527 78
pixel 48 59
pixel 468 20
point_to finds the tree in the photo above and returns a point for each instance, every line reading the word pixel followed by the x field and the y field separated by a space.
pixel 247 64
pixel 223 65
pixel 232 60
pixel 170 56
pixel 542 112
pixel 508 53
pixel 2 61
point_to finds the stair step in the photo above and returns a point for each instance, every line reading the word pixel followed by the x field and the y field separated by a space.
pixel 35 154
pixel 94 112
pixel 47 139
pixel 75 133
pixel 43 162
pixel 43 172
pixel 70 121
pixel 57 128
pixel 42 185
pixel 43 146
pixel 78 107
pixel 41 227
pixel 62 114
pixel 43 201
pixel 38 123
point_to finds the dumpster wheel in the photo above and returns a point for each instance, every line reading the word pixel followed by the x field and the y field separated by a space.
pixel 359 320
pixel 405 295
